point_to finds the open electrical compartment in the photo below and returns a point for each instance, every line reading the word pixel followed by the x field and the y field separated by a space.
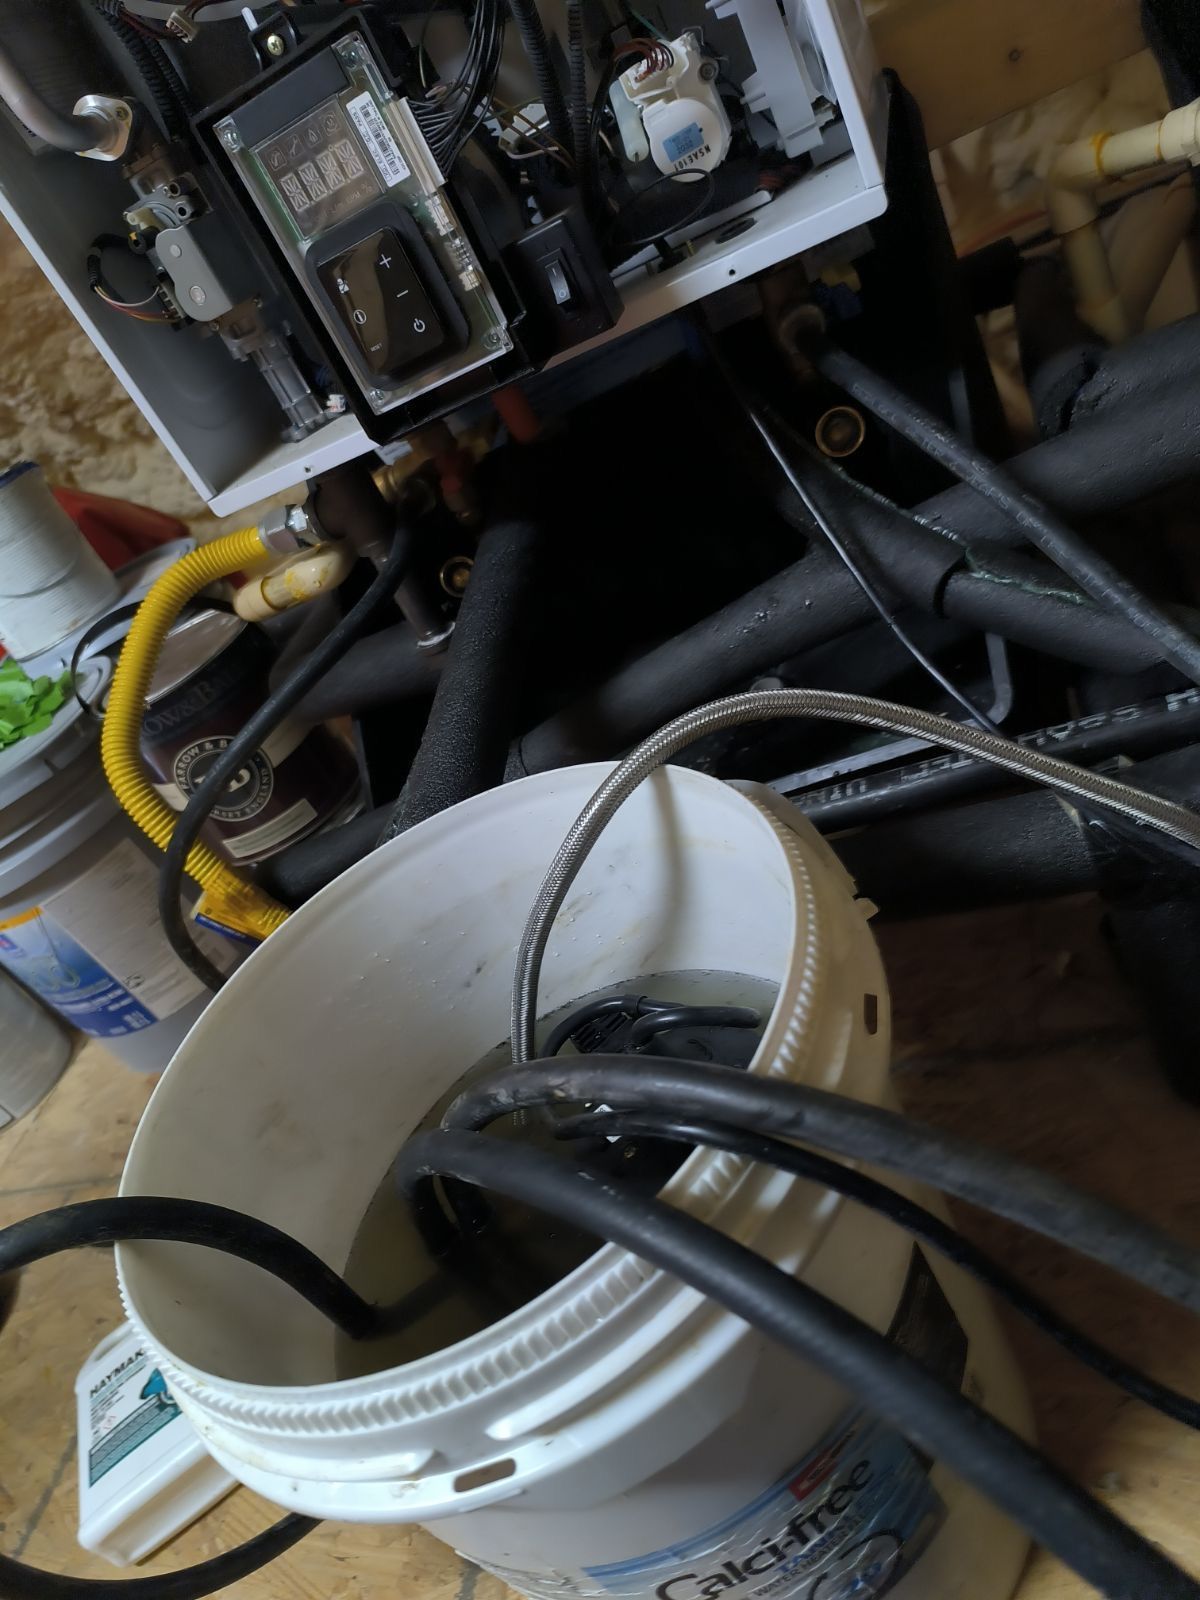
pixel 721 141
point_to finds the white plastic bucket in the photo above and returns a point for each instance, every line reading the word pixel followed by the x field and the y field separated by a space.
pixel 34 1050
pixel 79 922
pixel 51 580
pixel 619 1434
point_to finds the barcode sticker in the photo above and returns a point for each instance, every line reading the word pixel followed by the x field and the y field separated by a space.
pixel 378 138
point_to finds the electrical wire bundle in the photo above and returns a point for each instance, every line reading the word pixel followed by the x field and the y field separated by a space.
pixel 610 216
pixel 450 113
pixel 99 285
pixel 154 29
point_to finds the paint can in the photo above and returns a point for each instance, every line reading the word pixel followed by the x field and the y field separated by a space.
pixel 213 674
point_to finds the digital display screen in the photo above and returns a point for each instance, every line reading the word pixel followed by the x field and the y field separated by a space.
pixel 319 169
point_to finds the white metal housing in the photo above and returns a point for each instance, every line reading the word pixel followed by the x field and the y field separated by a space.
pixel 217 417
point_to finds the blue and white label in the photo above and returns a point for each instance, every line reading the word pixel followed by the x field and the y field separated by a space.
pixel 47 960
pixel 95 951
pixel 845 1524
pixel 680 144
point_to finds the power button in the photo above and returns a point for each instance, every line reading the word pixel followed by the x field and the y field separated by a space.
pixel 381 298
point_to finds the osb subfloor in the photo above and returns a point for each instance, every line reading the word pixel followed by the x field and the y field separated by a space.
pixel 1011 1027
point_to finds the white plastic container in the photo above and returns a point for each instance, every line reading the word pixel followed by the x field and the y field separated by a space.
pixel 79 921
pixel 51 580
pixel 619 1434
pixel 143 1474
pixel 34 1050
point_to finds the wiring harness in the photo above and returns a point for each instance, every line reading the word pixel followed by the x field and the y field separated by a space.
pixel 450 114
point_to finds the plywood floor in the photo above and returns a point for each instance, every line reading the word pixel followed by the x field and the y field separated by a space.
pixel 1011 1027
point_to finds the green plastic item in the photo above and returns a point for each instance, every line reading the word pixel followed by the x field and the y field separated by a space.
pixel 27 705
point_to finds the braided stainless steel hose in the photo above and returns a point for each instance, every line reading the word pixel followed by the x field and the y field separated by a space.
pixel 765 705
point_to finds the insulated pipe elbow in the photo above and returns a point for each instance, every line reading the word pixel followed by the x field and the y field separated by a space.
pixel 70 133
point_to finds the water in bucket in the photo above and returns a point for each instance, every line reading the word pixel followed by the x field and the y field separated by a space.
pixel 519 1253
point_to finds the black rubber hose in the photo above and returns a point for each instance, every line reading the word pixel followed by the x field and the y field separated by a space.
pixel 104 1222
pixel 888 1382
pixel 385 667
pixel 669 1017
pixel 631 1005
pixel 296 874
pixel 465 744
pixel 881 1138
pixel 528 20
pixel 56 128
pixel 19 1582
pixel 579 105
pixel 1003 851
pixel 1094 574
pixel 279 704
pixel 814 601
pixel 915 1219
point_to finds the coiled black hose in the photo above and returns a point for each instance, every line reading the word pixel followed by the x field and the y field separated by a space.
pixel 915 1219
pixel 102 1222
pixel 981 1176
pixel 887 1381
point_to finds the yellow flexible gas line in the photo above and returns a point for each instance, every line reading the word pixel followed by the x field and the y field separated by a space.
pixel 230 898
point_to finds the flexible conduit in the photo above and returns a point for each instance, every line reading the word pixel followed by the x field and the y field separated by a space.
pixel 235 900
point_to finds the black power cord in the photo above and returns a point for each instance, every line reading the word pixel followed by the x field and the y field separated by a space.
pixel 888 1382
pixel 1041 526
pixel 105 1222
pixel 264 721
pixel 915 1219
pixel 609 1005
pixel 880 1138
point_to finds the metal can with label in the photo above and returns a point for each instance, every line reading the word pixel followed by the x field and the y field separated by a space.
pixel 213 674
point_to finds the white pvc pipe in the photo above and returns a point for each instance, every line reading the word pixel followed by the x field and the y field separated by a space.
pixel 1078 170
pixel 300 580
pixel 1089 162
pixel 1143 251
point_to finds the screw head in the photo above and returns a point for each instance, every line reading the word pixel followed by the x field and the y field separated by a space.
pixel 377 395
pixel 197 295
pixel 275 43
pixel 493 339
pixel 708 71
pixel 231 139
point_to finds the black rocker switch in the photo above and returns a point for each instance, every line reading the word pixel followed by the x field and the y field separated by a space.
pixel 385 305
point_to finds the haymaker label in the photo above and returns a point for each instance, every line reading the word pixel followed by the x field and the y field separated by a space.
pixel 845 1524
